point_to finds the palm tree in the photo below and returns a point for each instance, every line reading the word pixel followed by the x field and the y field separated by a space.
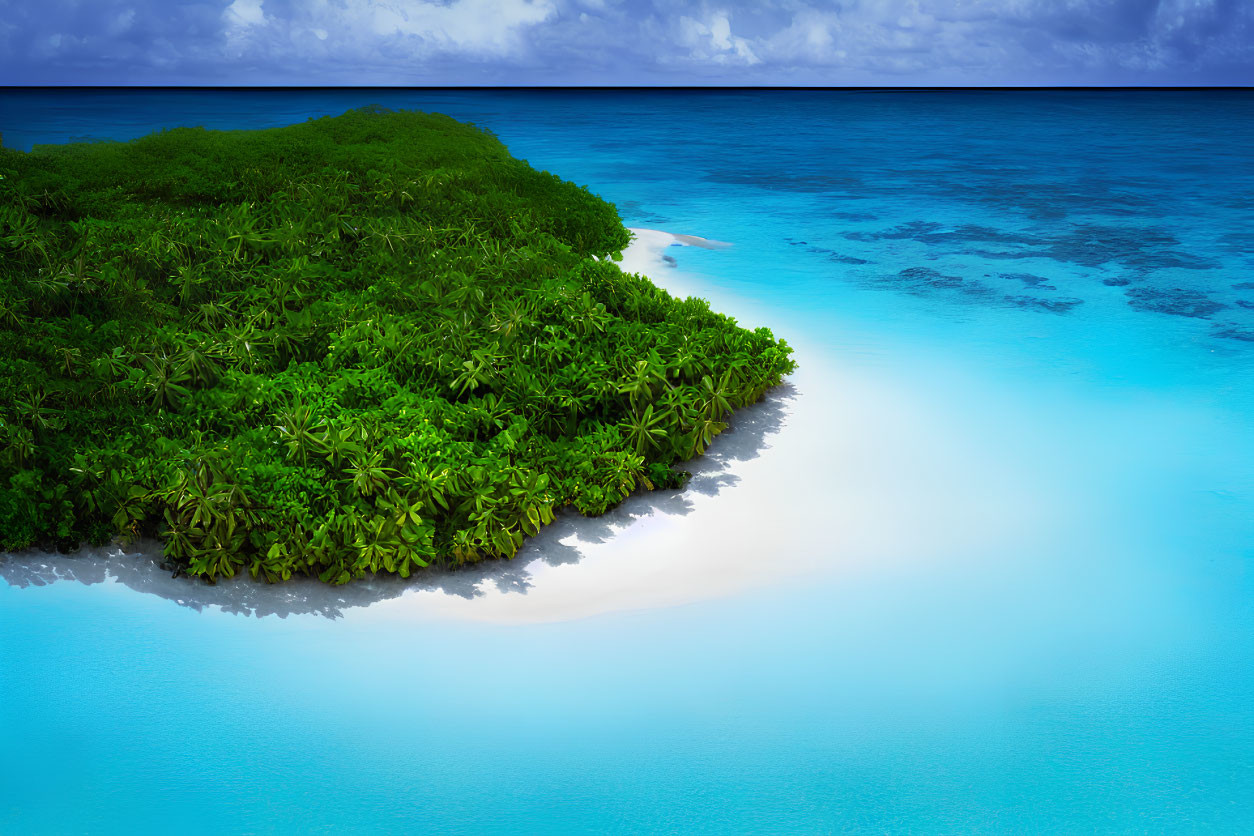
pixel 166 381
pixel 369 474
pixel 643 430
pixel 716 402
pixel 302 432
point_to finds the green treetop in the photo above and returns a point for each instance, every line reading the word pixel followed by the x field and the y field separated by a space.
pixel 366 343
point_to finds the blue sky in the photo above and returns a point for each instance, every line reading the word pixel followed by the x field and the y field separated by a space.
pixel 631 42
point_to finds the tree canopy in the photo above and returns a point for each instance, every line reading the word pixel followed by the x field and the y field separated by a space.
pixel 365 343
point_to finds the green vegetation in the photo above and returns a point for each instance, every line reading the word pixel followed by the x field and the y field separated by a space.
pixel 366 343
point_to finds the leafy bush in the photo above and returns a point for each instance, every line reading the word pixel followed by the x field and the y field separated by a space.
pixel 367 343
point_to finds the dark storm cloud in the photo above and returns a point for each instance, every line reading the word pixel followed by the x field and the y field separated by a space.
pixel 904 42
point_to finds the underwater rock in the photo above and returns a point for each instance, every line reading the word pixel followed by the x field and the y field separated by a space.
pixel 832 255
pixel 1089 245
pixel 1241 243
pixel 1234 333
pixel 930 232
pixel 925 279
pixel 1006 190
pixel 1176 301
pixel 1059 305
pixel 1029 280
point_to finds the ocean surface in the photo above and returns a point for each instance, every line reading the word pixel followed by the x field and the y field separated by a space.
pixel 983 565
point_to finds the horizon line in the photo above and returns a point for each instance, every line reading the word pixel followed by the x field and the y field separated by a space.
pixel 639 87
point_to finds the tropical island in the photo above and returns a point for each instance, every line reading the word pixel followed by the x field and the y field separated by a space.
pixel 365 343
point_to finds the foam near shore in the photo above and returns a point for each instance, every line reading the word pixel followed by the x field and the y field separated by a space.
pixel 646 255
pixel 657 237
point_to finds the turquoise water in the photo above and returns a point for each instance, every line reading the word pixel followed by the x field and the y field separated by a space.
pixel 982 567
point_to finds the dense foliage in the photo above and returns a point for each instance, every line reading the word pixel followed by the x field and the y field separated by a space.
pixel 364 343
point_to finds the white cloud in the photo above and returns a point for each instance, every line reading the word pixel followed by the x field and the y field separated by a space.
pixel 895 40
pixel 711 40
pixel 478 27
pixel 243 19
pixel 244 13
pixel 379 32
pixel 633 41
pixel 122 23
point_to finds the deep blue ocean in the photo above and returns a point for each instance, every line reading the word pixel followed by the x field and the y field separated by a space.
pixel 982 566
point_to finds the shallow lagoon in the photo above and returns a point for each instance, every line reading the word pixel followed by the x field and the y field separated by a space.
pixel 983 565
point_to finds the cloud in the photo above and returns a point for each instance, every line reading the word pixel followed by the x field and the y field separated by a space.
pixel 242 13
pixel 711 39
pixel 122 23
pixel 475 27
pixel 398 36
pixel 1016 42
pixel 906 42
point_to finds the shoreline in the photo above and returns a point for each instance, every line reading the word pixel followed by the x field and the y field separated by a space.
pixel 575 567
pixel 884 468
pixel 649 234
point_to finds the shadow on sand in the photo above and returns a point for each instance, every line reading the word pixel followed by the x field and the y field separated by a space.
pixel 137 565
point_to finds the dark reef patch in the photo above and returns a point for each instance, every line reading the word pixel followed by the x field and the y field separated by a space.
pixel 1048 201
pixel 1089 245
pixel 1059 305
pixel 831 255
pixel 1243 286
pixel 1234 333
pixel 1241 243
pixel 922 280
pixel 930 232
pixel 1028 280
pixel 925 281
pixel 1176 301
pixel 1093 245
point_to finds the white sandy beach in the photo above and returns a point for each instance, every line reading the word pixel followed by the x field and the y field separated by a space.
pixel 852 468
pixel 845 469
